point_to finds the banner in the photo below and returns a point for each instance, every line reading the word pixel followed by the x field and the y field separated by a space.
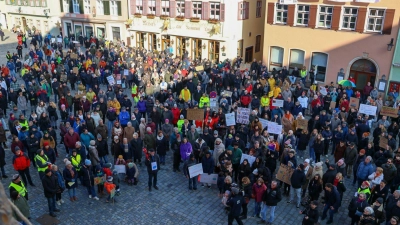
pixel 354 102
pixel 284 173
pixel 243 115
pixel 302 124
pixel 111 80
pixel 59 40
pixel 195 114
pixel 303 102
pixel 230 119
pixel 383 142
pixel 389 111
pixel 199 68
pixel 249 158
pixel 228 93
pixel 332 105
pixel 277 103
pixel 195 170
pixel 263 122
pixel 274 128
pixel 367 109
pixel 126 72
pixel 209 179
pixel 120 168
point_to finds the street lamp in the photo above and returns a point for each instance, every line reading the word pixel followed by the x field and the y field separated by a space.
pixel 390 45
pixel 340 75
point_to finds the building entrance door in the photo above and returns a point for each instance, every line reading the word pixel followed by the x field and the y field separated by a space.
pixel 248 54
pixel 363 71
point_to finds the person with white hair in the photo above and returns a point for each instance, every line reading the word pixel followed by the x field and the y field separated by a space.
pixel 142 128
pixel 364 170
pixel 368 216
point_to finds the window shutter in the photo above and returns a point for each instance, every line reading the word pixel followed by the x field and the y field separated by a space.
pixel 362 14
pixel 222 12
pixel 133 7
pixel 145 7
pixel 313 16
pixel 81 11
pixel 61 5
pixel 387 25
pixel 106 7
pixel 119 9
pixel 336 17
pixel 158 7
pixel 247 11
pixel 71 7
pixel 271 13
pixel 291 16
pixel 205 10
pixel 172 9
pixel 239 9
pixel 188 9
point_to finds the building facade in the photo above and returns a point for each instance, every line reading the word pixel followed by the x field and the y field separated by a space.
pixel 214 30
pixel 394 77
pixel 334 37
pixel 100 18
pixel 34 15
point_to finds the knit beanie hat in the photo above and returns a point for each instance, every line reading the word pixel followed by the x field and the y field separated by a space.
pixel 88 162
pixel 67 162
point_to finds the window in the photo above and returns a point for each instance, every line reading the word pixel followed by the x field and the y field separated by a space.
pixel 140 39
pixel 114 8
pixel 215 10
pixel 258 43
pixel 319 60
pixel 165 7
pixel 213 51
pixel 180 46
pixel 375 20
pixel 258 9
pixel 281 13
pixel 37 2
pixel 139 6
pixel 32 3
pixel 75 5
pixel 86 7
pixel 325 16
pixel 243 10
pixel 100 7
pixel 180 8
pixel 116 32
pixel 196 49
pixel 302 14
pixel 240 48
pixel 152 7
pixel 276 58
pixel 349 18
pixel 196 9
pixel 152 42
pixel 296 59
pixel 44 3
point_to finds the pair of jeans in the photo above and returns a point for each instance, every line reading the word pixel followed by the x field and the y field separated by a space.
pixel 312 153
pixel 296 191
pixel 103 159
pixel 51 201
pixel 91 191
pixel 162 159
pixel 152 179
pixel 72 192
pixel 257 208
pixel 110 124
pixel 271 213
pixel 327 209
pixel 193 182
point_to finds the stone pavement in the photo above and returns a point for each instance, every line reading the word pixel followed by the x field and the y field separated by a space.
pixel 173 203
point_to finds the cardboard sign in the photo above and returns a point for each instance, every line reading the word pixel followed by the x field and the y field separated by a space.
pixel 244 66
pixel 120 168
pixel 75 70
pixel 249 158
pixel 199 68
pixel 73 56
pixel 213 102
pixel 243 115
pixel 230 119
pixel 354 103
pixel 195 170
pixel 126 72
pixel 209 179
pixel 284 173
pixel 383 142
pixel 274 128
pixel 277 103
pixel 302 124
pixel 332 105
pixel 389 111
pixel 98 180
pixel 368 109
pixel 195 114
pixel 228 93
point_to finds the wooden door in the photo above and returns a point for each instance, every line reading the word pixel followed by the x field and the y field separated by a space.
pixel 165 44
pixel 249 54
pixel 362 78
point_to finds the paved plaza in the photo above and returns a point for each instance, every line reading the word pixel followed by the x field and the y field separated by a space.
pixel 173 203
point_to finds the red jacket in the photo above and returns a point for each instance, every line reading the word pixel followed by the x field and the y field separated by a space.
pixel 21 161
pixel 245 100
pixel 70 140
pixel 176 113
pixel 258 191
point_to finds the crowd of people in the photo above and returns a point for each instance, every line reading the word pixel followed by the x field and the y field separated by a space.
pixel 118 106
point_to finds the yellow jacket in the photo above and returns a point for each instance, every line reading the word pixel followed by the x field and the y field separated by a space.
pixel 90 95
pixel 264 101
pixel 185 93
pixel 271 82
pixel 115 104
pixel 277 91
pixel 88 63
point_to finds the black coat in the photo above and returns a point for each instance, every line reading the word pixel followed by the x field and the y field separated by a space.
pixel 162 146
pixel 271 197
pixel 355 206
pixel 148 162
pixel 319 147
pixel 298 178
pixel 69 178
pixel 236 202
pixel 102 147
pixel 88 178
pixel 50 185
pixel 329 176
pixel 2 157
pixel 312 216
pixel 137 148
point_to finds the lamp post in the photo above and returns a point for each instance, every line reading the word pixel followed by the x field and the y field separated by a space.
pixel 390 45
pixel 340 75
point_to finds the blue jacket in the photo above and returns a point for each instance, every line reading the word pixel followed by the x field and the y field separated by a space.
pixel 124 117
pixel 141 105
pixel 86 138
pixel 297 109
pixel 208 164
pixel 364 170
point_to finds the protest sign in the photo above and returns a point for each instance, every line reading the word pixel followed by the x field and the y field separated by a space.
pixel 303 102
pixel 213 102
pixel 98 180
pixel 195 114
pixel 332 105
pixel 120 168
pixel 243 115
pixel 245 66
pixel 383 142
pixel 367 109
pixel 284 174
pixel 195 170
pixel 230 119
pixel 277 103
pixel 263 122
pixel 249 158
pixel 73 56
pixel 111 80
pixel 59 40
pixel 302 124
pixel 126 72
pixel 354 102
pixel 52 40
pixel 322 90
pixel 389 111
pixel 199 68
pixel 228 93
pixel 209 179
pixel 75 70
pixel 274 128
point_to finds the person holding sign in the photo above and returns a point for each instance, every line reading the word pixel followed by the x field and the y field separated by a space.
pixel 153 165
pixel 192 180
pixel 110 188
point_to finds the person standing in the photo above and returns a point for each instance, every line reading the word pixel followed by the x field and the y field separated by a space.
pixel 42 162
pixel 332 202
pixel 18 186
pixel 297 179
pixel 88 179
pixel 49 182
pixel 310 214
pixel 2 163
pixel 153 166
pixel 21 163
pixel 271 198
pixel 235 202
pixel 22 205
pixel 356 207
pixel 192 180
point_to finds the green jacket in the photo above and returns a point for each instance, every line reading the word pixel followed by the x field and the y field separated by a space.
pixel 236 155
pixel 22 204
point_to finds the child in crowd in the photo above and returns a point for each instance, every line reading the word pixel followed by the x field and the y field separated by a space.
pixel 131 174
pixel 110 187
pixel 107 169
pixel 116 181
pixel 101 177
pixel 221 183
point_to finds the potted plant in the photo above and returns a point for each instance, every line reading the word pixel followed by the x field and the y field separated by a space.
pixel 195 19
pixel 180 18
pixel 164 17
pixel 138 15
pixel 213 21
pixel 151 16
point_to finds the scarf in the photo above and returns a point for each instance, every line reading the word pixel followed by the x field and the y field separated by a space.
pixel 160 138
pixel 336 182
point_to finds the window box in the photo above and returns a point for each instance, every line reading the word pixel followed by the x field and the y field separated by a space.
pixel 213 21
pixel 138 15
pixel 151 16
pixel 195 19
pixel 164 17
pixel 180 18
